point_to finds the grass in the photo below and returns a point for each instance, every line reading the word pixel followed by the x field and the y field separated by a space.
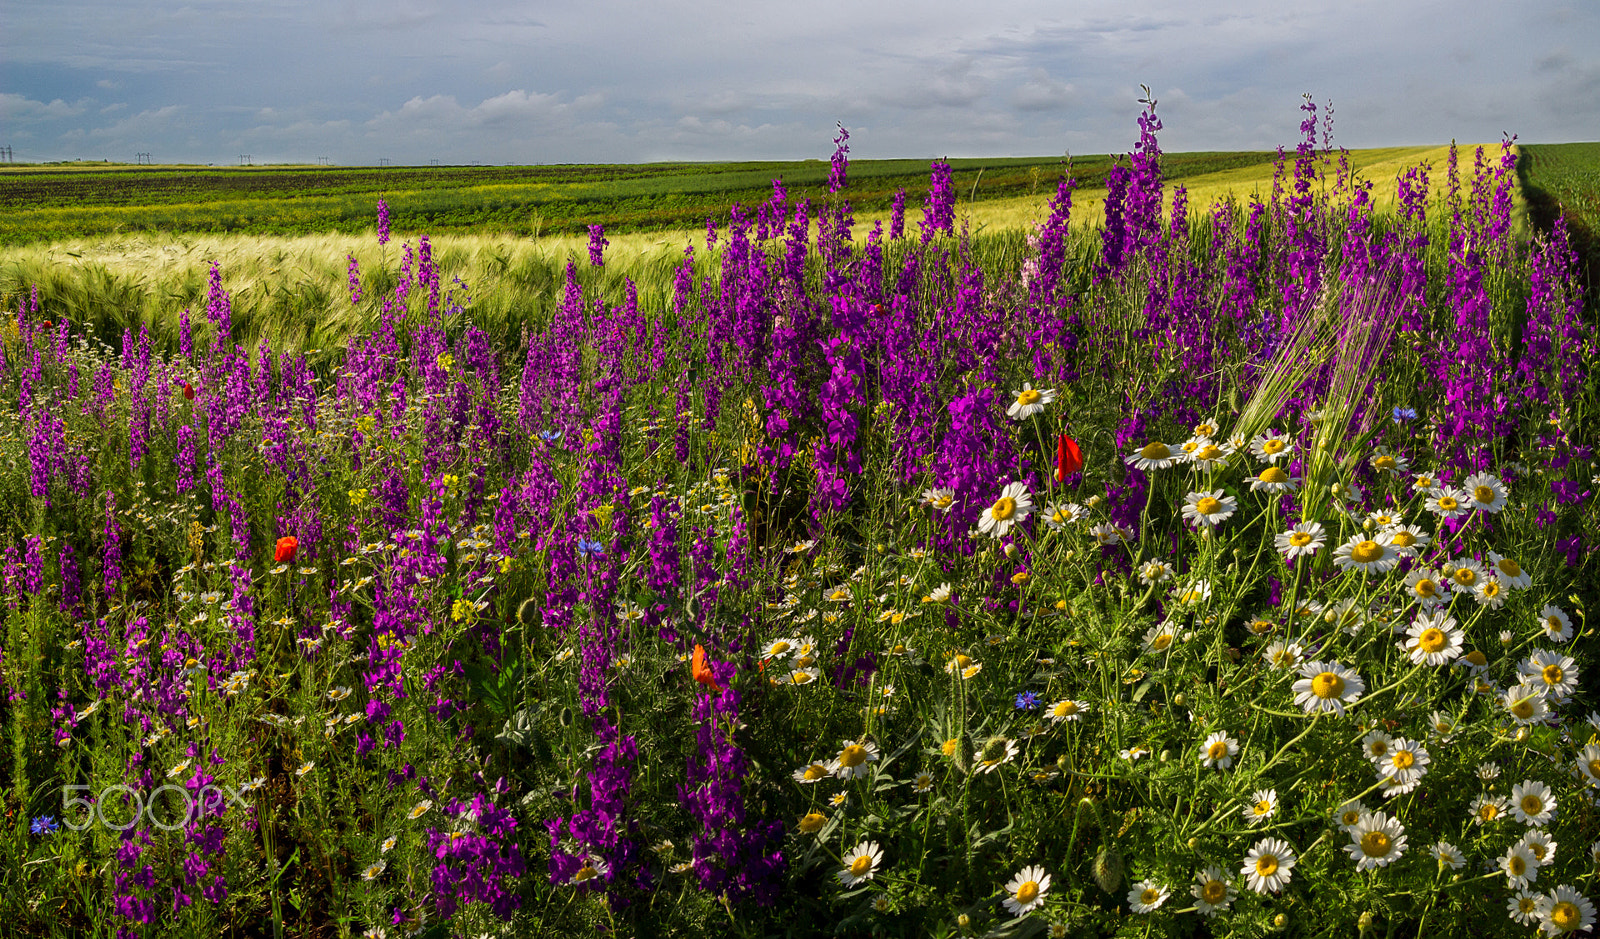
pixel 1564 178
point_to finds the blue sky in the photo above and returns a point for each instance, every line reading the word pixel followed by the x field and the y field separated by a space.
pixel 412 81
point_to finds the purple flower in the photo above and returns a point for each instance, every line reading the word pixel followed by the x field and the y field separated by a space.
pixel 45 825
pixel 597 245
pixel 1027 701
pixel 383 222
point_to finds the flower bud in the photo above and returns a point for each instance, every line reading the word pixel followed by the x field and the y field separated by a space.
pixel 1107 868
pixel 964 921
pixel 1179 699
pixel 1280 921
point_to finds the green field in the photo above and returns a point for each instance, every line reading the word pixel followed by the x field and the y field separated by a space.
pixel 1565 178
pixel 44 203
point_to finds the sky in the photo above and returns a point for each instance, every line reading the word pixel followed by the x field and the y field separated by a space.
pixel 357 82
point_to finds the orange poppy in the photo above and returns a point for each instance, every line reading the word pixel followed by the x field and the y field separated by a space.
pixel 1069 459
pixel 188 392
pixel 701 669
pixel 286 549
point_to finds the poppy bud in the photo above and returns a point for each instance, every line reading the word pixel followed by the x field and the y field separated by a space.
pixel 188 392
pixel 1069 459
pixel 286 549
pixel 526 612
pixel 1107 868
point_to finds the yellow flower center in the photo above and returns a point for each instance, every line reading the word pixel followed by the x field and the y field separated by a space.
pixel 1565 916
pixel 585 873
pixel 1379 747
pixel 1509 567
pixel 1552 674
pixel 1214 892
pixel 779 648
pixel 1431 640
pixel 1267 865
pixel 1594 768
pixel 1028 892
pixel 1483 494
pixel 1300 538
pixel 1527 905
pixel 1160 643
pixel 1522 709
pixel 1365 552
pixel 1003 509
pixel 1350 817
pixel 1375 844
pixel 1384 462
pixel 1426 588
pixel 1489 811
pixel 853 756
pixel 1155 451
pixel 1516 866
pixel 812 822
pixel 1532 804
pixel 1536 849
pixel 1028 396
pixel 1149 896
pixel 1208 505
pixel 1263 808
pixel 815 772
pixel 1208 452
pixel 1327 685
pixel 1272 445
pixel 1274 476
pixel 1466 576
pixel 861 865
pixel 1217 750
pixel 1403 759
pixel 1402 539
pixel 949 747
pixel 1552 624
pixel 1448 503
pixel 1069 708
pixel 1476 659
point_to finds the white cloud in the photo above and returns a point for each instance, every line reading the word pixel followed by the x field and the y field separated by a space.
pixel 24 110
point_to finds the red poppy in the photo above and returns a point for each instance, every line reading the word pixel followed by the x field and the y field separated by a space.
pixel 702 669
pixel 286 549
pixel 188 392
pixel 1069 459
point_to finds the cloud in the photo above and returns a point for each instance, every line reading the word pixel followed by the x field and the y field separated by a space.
pixel 1043 93
pixel 23 110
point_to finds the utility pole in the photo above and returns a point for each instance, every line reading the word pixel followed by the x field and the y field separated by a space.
pixel 244 159
pixel 322 161
pixel 383 161
pixel 141 159
pixel 5 154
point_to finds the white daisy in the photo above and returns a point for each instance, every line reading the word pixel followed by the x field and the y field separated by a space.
pixel 1271 447
pixel 1349 815
pixel 1589 764
pixel 1406 540
pixel 1509 572
pixel 1486 809
pixel 1556 672
pixel 1067 710
pixel 1432 640
pixel 855 760
pixel 1525 703
pixel 1426 588
pixel 1484 492
pixel 1211 891
pixel 861 864
pixel 1272 479
pixel 1208 508
pixel 1030 401
pixel 1565 910
pixel 1012 508
pixel 1372 555
pixel 1160 637
pixel 1027 891
pixel 1541 844
pixel 1218 751
pixel 1526 906
pixel 1281 654
pixel 1446 502
pixel 1262 806
pixel 1327 686
pixel 1152 456
pixel 1556 624
pixel 1520 866
pixel 1448 855
pixel 1303 540
pixel 1269 865
pixel 941 500
pixel 1376 841
pixel 1147 896
pixel 1532 802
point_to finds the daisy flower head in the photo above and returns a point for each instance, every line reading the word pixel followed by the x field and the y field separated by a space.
pixel 1432 639
pixel 922 782
pixel 1160 637
pixel 1271 447
pixel 1272 479
pixel 1425 482
pixel 373 870
pixel 1281 654
pixel 940 500
pixel 1062 514
pixel 861 864
pixel 1012 508
pixel 1207 428
pixel 938 594
pixel 1485 492
pixel 592 869
pixel 1263 805
pixel 1557 673
pixel 1303 540
pixel 1427 588
pixel 1565 910
pixel 1349 815
pixel 963 665
pixel 1371 554
pixel 1067 710
pixel 1589 764
pixel 1027 891
pixel 1441 725
pixel 1155 572
pixel 1106 534
pixel 1193 593
pixel 1376 841
pixel 1030 401
pixel 855 760
pixel 1211 891
pixel 1490 593
pixel 1152 456
pixel 1269 865
pixel 1407 760
pixel 1147 896
pixel 778 648
pixel 1392 463
pixel 1208 508
pixel 1448 855
pixel 1525 703
pixel 1520 866
pixel 1376 746
pixel 1447 502
pixel 1218 750
pixel 813 772
pixel 1464 574
pixel 1541 844
pixel 1487 808
pixel 1526 906
pixel 1489 772
pixel 1509 572
pixel 1532 802
pixel 1555 624
pixel 1208 456
pixel 1327 686
pixel 1406 540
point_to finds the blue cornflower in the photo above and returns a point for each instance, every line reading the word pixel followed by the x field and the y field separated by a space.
pixel 550 436
pixel 1027 701
pixel 45 825
pixel 1404 414
pixel 589 548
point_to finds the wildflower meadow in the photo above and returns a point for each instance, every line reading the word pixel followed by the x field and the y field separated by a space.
pixel 1211 570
